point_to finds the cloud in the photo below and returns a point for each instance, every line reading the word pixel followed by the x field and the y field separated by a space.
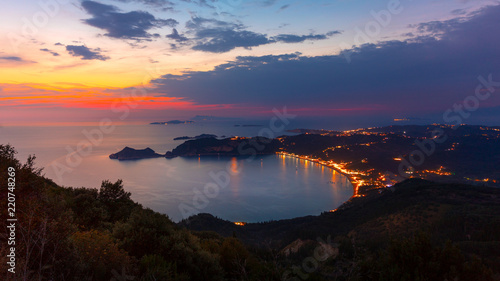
pixel 49 51
pixel 58 44
pixel 199 23
pixel 164 4
pixel 215 36
pixel 131 25
pixel 284 7
pixel 225 40
pixel 457 12
pixel 85 53
pixel 437 28
pixel 420 74
pixel 14 60
pixel 176 36
pixel 290 38
pixel 11 58
pixel 334 32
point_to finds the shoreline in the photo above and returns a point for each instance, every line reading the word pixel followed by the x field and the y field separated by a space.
pixel 352 180
pixel 329 164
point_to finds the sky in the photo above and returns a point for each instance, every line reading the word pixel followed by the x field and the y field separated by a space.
pixel 156 60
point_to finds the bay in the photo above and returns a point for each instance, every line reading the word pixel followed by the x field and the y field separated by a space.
pixel 237 189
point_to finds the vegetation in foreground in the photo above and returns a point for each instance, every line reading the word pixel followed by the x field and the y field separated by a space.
pixel 101 234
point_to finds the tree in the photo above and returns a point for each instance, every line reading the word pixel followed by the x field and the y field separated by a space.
pixel 116 200
pixel 113 192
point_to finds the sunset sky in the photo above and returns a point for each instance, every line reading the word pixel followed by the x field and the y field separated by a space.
pixel 68 60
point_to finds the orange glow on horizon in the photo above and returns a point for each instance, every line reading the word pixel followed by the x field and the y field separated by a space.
pixel 43 96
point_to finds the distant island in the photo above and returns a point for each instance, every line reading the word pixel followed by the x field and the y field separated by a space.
pixel 213 118
pixel 172 122
pixel 134 154
pixel 407 119
pixel 239 125
pixel 313 131
pixel 202 136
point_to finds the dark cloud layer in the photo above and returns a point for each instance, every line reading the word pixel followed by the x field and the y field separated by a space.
pixel 291 38
pixel 424 73
pixel 85 53
pixel 225 40
pixel 215 36
pixel 131 25
pixel 176 36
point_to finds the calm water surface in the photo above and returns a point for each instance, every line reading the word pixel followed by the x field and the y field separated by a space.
pixel 266 188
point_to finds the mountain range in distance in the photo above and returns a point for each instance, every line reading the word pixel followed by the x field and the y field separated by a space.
pixel 198 118
pixel 172 122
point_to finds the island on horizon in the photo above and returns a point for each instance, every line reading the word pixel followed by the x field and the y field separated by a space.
pixel 173 122
pixel 202 136
pixel 135 154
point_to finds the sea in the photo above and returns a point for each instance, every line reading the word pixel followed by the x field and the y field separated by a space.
pixel 246 189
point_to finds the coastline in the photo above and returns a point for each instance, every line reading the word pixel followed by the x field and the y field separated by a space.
pixel 350 177
pixel 353 176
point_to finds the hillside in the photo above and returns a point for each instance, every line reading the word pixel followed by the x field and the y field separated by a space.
pixel 464 215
